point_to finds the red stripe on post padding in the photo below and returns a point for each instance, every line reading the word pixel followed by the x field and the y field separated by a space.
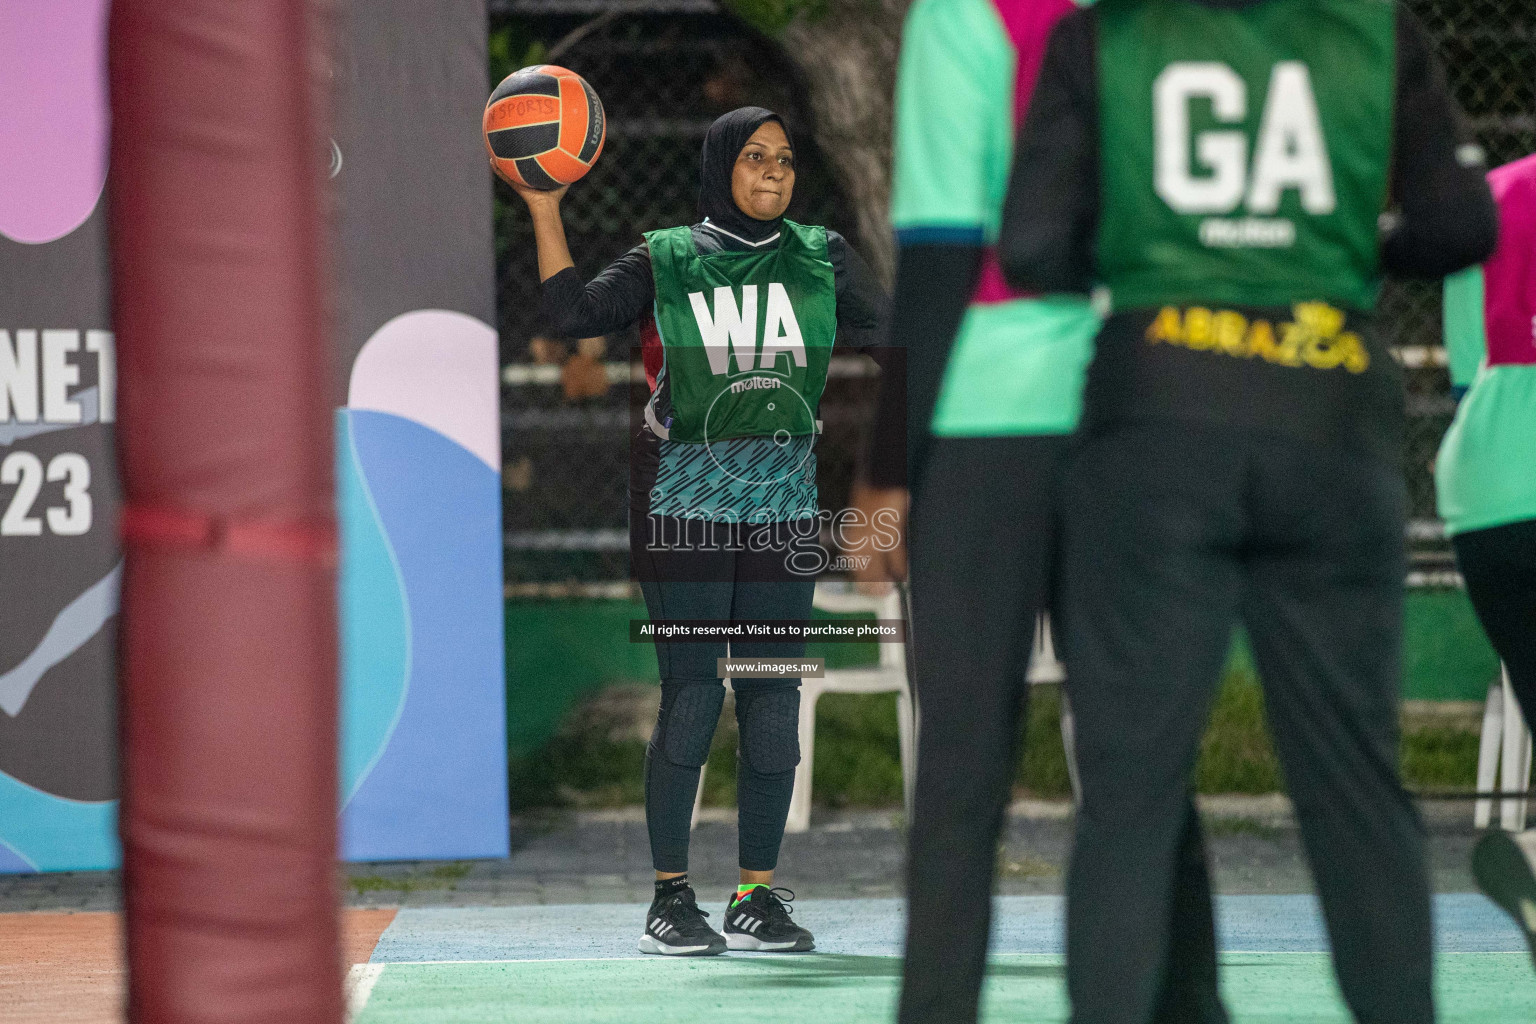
pixel 170 527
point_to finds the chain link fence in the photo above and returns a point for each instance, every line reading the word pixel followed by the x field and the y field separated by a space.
pixel 665 69
pixel 1489 50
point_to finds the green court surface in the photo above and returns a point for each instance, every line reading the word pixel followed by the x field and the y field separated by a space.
pixel 1260 988
pixel 578 964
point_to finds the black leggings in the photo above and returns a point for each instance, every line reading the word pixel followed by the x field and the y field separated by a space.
pixel 722 574
pixel 768 718
pixel 1171 533
pixel 983 545
pixel 1499 566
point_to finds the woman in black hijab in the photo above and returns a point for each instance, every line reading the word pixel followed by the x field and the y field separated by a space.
pixel 737 317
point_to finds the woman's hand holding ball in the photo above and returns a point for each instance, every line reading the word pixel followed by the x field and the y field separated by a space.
pixel 537 197
pixel 548 231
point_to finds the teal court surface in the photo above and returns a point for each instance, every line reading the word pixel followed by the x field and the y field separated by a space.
pixel 578 964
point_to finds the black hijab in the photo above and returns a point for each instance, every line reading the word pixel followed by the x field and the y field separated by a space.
pixel 722 145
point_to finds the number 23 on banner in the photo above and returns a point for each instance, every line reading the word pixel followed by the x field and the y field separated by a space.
pixel 24 471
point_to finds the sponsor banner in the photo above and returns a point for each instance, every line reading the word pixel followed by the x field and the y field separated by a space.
pixel 423 767
pixel 59 558
pixel 419 444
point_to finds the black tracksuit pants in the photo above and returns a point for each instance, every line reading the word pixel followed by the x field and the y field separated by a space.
pixel 1499 567
pixel 1172 533
pixel 690 570
pixel 982 543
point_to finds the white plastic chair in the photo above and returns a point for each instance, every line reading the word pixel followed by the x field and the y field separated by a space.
pixel 890 675
pixel 1506 745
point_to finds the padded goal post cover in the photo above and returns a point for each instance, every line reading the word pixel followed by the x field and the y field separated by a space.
pixel 228 675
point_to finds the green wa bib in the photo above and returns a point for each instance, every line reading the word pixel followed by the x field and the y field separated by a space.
pixel 746 336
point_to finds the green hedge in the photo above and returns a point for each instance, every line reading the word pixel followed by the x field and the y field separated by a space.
pixel 561 651
pixel 857 764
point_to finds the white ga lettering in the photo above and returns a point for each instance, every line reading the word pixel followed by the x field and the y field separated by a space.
pixel 731 329
pixel 1290 154
pixel 36 379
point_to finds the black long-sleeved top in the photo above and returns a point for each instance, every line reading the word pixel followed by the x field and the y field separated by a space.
pixel 934 285
pixel 625 291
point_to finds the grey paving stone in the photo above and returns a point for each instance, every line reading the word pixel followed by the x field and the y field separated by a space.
pixel 603 857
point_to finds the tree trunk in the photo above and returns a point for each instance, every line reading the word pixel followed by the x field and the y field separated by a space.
pixel 847 56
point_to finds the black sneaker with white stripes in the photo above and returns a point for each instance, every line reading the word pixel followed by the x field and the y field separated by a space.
pixel 760 920
pixel 675 926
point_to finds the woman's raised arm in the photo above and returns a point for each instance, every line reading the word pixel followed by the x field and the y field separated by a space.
pixel 610 302
pixel 548 228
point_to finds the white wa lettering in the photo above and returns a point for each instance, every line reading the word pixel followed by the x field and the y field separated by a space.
pixel 732 329
pixel 728 328
pixel 782 331
pixel 1290 154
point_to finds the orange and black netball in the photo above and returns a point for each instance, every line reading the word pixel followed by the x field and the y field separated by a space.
pixel 544 127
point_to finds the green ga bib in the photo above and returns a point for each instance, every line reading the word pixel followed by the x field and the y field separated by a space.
pixel 747 336
pixel 1244 152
